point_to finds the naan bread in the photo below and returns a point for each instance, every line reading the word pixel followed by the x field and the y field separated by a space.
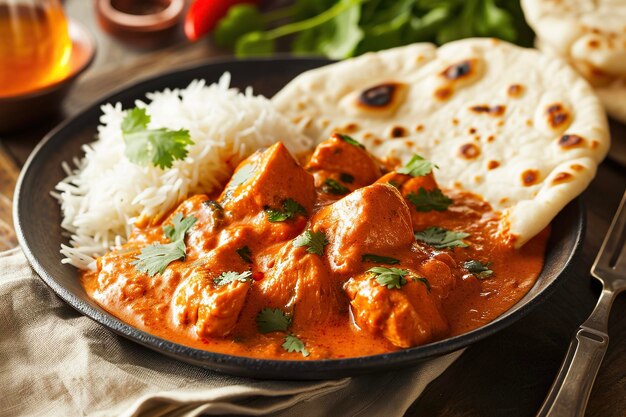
pixel 517 127
pixel 591 36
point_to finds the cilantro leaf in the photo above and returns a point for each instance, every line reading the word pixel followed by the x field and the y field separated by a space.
pixel 417 167
pixel 294 344
pixel 231 276
pixel 314 241
pixel 240 19
pixel 349 140
pixel 272 320
pixel 440 238
pixel 159 147
pixel 429 200
pixel 153 259
pixel 389 277
pixel 425 282
pixel 478 269
pixel 332 186
pixel 180 226
pixel 370 257
pixel 245 253
pixel 290 209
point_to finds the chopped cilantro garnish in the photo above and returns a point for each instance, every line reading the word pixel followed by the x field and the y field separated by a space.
pixel 417 167
pixel 272 320
pixel 478 269
pixel 347 178
pixel 276 320
pixel 425 282
pixel 294 344
pixel 245 253
pixel 441 238
pixel 389 277
pixel 349 140
pixel 231 276
pixel 370 257
pixel 429 200
pixel 155 258
pixel 314 241
pixel 180 226
pixel 290 209
pixel 332 186
pixel 159 147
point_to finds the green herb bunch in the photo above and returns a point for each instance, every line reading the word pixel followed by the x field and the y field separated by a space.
pixel 343 28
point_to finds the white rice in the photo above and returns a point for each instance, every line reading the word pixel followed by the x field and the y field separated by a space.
pixel 104 193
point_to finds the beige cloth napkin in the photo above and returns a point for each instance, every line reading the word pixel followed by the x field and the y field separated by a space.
pixel 56 362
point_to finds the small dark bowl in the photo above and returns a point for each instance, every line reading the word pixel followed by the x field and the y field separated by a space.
pixel 19 111
pixel 37 219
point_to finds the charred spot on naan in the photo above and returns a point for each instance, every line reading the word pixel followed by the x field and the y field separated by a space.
pixel 492 164
pixel 398 132
pixel 558 116
pixel 495 110
pixel 380 99
pixel 469 151
pixel 515 90
pixel 561 178
pixel 530 177
pixel 569 141
pixel 458 75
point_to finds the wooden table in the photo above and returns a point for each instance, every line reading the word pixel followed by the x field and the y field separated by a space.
pixel 507 374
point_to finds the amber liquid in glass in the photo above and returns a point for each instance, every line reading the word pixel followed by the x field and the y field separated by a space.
pixel 35 45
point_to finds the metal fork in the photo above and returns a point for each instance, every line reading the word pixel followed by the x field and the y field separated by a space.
pixel 570 391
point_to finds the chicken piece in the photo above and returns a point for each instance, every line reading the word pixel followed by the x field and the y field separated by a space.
pixel 300 282
pixel 266 180
pixel 413 185
pixel 212 309
pixel 409 316
pixel 373 219
pixel 351 165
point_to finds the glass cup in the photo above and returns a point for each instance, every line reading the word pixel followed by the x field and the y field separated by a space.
pixel 35 46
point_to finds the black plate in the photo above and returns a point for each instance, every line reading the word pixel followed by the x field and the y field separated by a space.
pixel 37 218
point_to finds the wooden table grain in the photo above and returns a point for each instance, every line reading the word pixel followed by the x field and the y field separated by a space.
pixel 507 374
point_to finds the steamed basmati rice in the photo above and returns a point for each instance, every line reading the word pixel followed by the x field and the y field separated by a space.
pixel 105 193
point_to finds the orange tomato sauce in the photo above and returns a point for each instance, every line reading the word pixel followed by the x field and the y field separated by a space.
pixel 337 308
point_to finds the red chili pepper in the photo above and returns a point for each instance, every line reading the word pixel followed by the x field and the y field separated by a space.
pixel 203 15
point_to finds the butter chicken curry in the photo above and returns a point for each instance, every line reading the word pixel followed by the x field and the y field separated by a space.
pixel 340 256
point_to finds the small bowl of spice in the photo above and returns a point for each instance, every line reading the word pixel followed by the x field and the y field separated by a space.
pixel 140 16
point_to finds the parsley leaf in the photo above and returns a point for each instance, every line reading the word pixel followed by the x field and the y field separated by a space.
pixel 349 140
pixel 370 257
pixel 440 238
pixel 478 269
pixel 332 186
pixel 425 282
pixel 347 178
pixel 294 344
pixel 153 259
pixel 290 209
pixel 272 320
pixel 231 276
pixel 160 147
pixel 429 200
pixel 314 241
pixel 245 253
pixel 389 277
pixel 417 167
pixel 179 227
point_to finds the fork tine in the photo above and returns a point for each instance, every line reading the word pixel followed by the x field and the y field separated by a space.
pixel 613 243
